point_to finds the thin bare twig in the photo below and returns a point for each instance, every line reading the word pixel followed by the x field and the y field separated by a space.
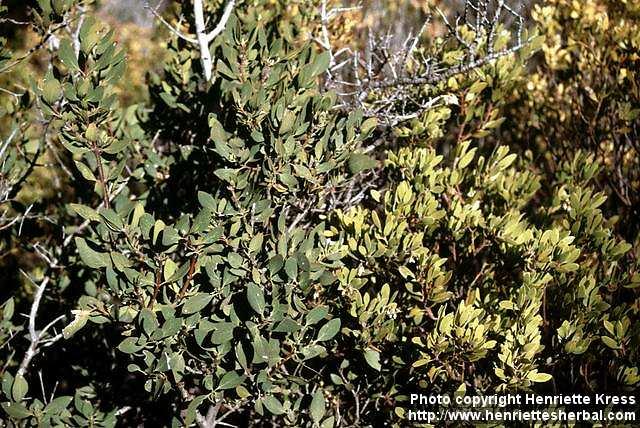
pixel 36 337
pixel 203 38
pixel 388 82
pixel 174 30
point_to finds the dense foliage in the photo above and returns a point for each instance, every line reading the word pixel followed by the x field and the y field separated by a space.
pixel 258 249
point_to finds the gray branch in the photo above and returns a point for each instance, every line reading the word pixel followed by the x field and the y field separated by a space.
pixel 386 81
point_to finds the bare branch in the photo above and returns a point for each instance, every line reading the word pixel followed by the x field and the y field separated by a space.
pixel 46 38
pixel 75 37
pixel 223 21
pixel 154 12
pixel 204 38
pixel 13 21
pixel 388 80
pixel 36 337
pixel 13 94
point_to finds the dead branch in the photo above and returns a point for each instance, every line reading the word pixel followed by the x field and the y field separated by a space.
pixel 38 339
pixel 388 82
pixel 203 38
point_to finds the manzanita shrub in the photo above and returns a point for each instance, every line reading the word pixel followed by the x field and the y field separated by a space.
pixel 244 250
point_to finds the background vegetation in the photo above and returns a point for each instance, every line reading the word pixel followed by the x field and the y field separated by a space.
pixel 343 206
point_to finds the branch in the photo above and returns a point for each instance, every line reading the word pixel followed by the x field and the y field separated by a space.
pixel 387 80
pixel 50 33
pixel 171 28
pixel 223 21
pixel 75 37
pixel 203 40
pixel 13 21
pixel 35 337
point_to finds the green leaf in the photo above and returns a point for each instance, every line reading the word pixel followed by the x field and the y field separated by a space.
pixel 170 236
pixel 90 257
pixel 288 121
pixel 275 264
pixel 242 391
pixel 85 171
pixel 360 162
pixel 202 221
pixel 320 64
pixel 316 314
pixel 85 212
pixel 288 180
pixel 89 35
pixel 120 261
pixel 539 377
pixel 291 267
pixel 234 259
pixel 273 405
pixel 568 267
pixel 229 380
pixel 16 410
pixel 368 126
pixel 79 321
pixel 287 325
pixel 67 55
pixel 190 416
pixel 8 309
pixel 58 404
pixel 168 269
pixel 196 303
pixel 112 219
pixel 51 90
pixel 467 158
pixel 373 358
pixel 256 243
pixel 130 345
pixel 20 388
pixel 255 296
pixel 610 342
pixel 217 132
pixel 226 174
pixel 207 201
pixel 317 407
pixel 158 227
pixel 508 160
pixel 329 330
pixel 621 247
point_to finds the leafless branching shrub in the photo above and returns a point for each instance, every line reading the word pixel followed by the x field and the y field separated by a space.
pixel 388 79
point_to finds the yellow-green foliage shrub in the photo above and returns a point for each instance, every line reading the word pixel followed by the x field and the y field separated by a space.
pixel 583 94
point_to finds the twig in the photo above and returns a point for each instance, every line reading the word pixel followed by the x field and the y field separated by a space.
pixel 389 83
pixel 35 48
pixel 13 21
pixel 203 38
pixel 75 37
pixel 35 337
pixel 190 273
pixel 223 21
pixel 171 28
